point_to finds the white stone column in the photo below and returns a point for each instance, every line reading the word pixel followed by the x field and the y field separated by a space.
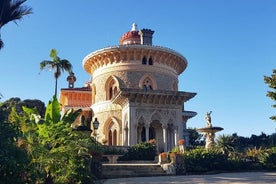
pixel 133 134
pixel 125 133
pixel 165 137
pixel 176 137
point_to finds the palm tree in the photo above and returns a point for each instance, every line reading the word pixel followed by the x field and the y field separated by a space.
pixel 226 144
pixel 58 64
pixel 12 10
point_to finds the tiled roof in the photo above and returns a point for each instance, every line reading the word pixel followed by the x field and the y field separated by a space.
pixel 76 89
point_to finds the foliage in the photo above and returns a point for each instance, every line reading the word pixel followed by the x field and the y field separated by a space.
pixel 6 107
pixel 253 154
pixel 58 64
pixel 268 158
pixel 141 151
pixel 13 159
pixel 176 149
pixel 195 138
pixel 226 144
pixel 52 113
pixel 226 157
pixel 113 151
pixel 54 149
pixel 272 140
pixel 201 160
pixel 259 140
pixel 12 10
pixel 71 115
pixel 271 82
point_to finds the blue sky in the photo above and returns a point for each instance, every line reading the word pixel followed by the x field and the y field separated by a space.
pixel 229 45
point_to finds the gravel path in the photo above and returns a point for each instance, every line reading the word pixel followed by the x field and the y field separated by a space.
pixel 236 178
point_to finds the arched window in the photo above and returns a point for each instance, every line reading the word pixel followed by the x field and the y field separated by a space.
pixel 143 134
pixel 151 133
pixel 110 138
pixel 114 138
pixel 147 84
pixel 112 133
pixel 144 60
pixel 150 61
pixel 111 88
pixel 115 90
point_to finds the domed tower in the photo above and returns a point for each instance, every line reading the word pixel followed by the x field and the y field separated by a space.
pixel 135 93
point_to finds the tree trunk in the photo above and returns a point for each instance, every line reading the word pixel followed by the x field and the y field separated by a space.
pixel 56 87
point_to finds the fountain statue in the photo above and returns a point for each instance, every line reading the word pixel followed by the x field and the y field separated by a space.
pixel 209 131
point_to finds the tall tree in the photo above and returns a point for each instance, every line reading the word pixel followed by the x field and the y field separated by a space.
pixel 12 10
pixel 59 65
pixel 271 81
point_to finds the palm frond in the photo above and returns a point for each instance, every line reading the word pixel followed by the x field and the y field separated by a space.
pixel 66 65
pixel 53 53
pixel 1 44
pixel 13 10
pixel 46 63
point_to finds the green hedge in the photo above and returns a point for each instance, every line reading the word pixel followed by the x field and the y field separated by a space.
pixel 141 151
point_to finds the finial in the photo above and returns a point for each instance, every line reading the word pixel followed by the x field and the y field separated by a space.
pixel 134 27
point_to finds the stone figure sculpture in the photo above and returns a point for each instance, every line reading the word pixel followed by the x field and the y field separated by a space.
pixel 208 119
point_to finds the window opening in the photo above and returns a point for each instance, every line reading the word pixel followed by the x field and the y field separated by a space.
pixel 150 61
pixel 147 85
pixel 144 60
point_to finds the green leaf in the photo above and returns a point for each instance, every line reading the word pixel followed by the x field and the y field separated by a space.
pixel 70 116
pixel 52 113
pixel 53 53
pixel 29 111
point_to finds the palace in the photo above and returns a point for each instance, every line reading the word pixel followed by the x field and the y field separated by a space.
pixel 133 92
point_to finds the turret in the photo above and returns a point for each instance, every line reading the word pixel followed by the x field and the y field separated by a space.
pixel 146 36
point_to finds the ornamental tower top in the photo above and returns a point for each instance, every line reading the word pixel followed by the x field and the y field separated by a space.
pixel 137 37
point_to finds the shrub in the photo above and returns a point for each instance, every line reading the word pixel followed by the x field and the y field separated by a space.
pixel 201 160
pixel 141 151
pixel 113 151
pixel 268 158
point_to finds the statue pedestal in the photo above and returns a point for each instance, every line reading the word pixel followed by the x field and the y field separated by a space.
pixel 209 133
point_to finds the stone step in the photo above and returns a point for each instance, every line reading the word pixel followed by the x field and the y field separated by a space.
pixel 131 170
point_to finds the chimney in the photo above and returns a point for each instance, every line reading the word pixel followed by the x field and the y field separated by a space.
pixel 146 36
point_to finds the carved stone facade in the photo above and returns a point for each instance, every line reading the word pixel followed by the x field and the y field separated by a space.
pixel 135 93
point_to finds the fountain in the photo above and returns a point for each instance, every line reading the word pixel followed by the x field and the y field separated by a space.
pixel 209 131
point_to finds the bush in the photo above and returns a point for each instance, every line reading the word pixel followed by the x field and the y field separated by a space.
pixel 13 159
pixel 268 159
pixel 141 151
pixel 113 151
pixel 201 160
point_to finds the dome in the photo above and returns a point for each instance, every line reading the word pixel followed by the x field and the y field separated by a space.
pixel 131 37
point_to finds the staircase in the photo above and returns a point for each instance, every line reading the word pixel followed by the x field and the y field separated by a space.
pixel 122 170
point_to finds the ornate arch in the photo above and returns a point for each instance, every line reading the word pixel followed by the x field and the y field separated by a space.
pixel 141 120
pixel 112 131
pixel 156 116
pixel 151 81
pixel 111 87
